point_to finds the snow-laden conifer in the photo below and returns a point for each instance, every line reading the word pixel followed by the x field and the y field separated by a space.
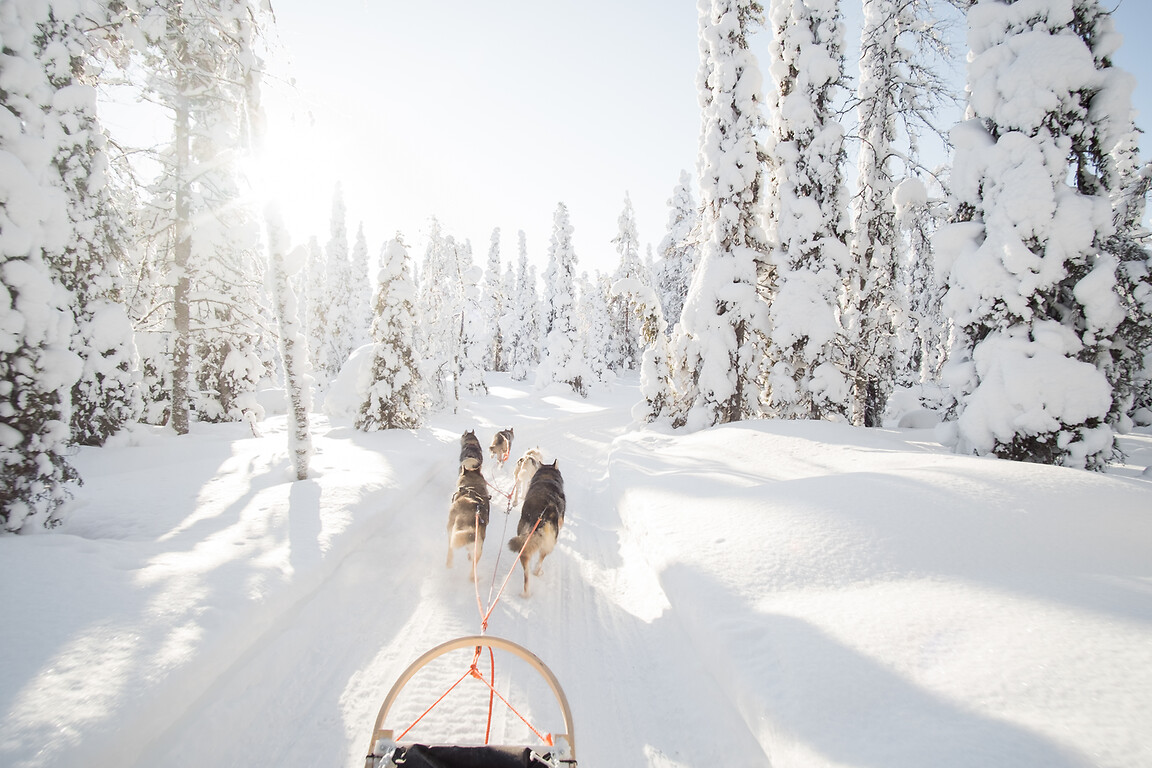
pixel 625 345
pixel 598 325
pixel 678 250
pixel 396 399
pixel 339 328
pixel 107 395
pixel 227 320
pixel 439 312
pixel 507 311
pixel 1035 302
pixel 901 52
pixel 922 333
pixel 1127 180
pixel 202 58
pixel 808 204
pixel 562 359
pixel 522 322
pixel 316 309
pixel 493 301
pixel 233 322
pixel 360 290
pixel 656 385
pixel 37 370
pixel 724 320
pixel 473 333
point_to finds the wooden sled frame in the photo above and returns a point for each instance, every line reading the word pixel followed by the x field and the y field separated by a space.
pixel 564 743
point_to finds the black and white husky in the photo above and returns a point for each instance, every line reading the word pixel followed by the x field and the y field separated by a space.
pixel 471 454
pixel 541 518
pixel 501 446
pixel 468 516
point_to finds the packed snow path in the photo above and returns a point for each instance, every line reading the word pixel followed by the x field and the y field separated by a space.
pixel 595 617
pixel 790 594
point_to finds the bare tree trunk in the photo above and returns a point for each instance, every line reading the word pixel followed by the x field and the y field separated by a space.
pixel 180 300
pixel 293 348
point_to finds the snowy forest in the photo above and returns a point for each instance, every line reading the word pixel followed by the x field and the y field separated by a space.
pixel 1007 292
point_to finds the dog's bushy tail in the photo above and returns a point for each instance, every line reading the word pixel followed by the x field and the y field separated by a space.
pixel 516 543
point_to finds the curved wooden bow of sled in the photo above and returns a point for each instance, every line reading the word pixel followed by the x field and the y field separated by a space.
pixel 381 736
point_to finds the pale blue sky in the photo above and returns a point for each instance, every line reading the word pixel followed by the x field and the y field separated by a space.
pixel 488 114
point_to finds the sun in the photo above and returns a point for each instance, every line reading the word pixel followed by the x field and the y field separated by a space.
pixel 292 166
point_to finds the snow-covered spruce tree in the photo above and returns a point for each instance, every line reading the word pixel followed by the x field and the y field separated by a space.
pixel 233 324
pixel 678 250
pixel 37 370
pixel 282 265
pixel 493 300
pixel 227 318
pixel 507 311
pixel 201 58
pixel 655 372
pixel 522 324
pixel 1034 300
pixel 316 310
pixel 808 204
pixel 597 324
pixel 1131 372
pixel 438 309
pixel 562 361
pixel 1127 180
pixel 624 354
pixel 360 287
pixel 107 394
pixel 338 325
pixel 534 303
pixel 724 319
pixel 473 332
pixel 396 399
pixel 897 96
pixel 922 332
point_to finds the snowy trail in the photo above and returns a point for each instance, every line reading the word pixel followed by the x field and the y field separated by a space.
pixel 599 618
pixel 778 593
pixel 308 689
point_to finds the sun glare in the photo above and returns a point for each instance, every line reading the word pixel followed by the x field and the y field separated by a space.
pixel 292 170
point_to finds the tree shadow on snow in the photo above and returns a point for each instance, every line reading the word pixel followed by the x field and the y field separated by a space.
pixel 1014 537
pixel 807 687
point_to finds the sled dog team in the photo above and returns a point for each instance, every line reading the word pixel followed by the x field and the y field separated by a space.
pixel 537 487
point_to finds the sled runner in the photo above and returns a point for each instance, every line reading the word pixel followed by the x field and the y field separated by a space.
pixel 555 750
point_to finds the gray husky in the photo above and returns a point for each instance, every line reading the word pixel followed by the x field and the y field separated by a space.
pixel 541 518
pixel 468 516
pixel 471 454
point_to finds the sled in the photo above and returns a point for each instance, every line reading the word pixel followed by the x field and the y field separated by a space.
pixel 557 751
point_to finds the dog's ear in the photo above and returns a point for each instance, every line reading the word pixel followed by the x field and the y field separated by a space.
pixel 556 464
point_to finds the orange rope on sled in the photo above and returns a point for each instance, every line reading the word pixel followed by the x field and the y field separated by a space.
pixel 442 697
pixel 547 739
pixel 472 670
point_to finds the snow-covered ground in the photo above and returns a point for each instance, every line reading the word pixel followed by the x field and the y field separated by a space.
pixel 764 593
